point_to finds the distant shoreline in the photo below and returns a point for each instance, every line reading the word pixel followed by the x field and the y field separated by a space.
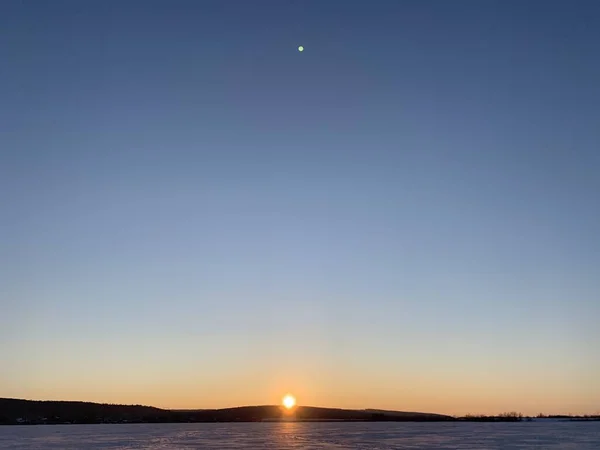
pixel 32 412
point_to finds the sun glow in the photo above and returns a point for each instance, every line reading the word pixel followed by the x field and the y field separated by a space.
pixel 288 401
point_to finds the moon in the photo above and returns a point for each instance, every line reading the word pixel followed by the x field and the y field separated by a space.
pixel 300 49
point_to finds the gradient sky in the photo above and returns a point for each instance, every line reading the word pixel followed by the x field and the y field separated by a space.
pixel 406 215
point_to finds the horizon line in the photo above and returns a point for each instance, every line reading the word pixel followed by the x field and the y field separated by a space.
pixel 540 414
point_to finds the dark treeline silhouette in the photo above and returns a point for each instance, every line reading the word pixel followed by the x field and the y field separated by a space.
pixel 15 411
pixel 518 417
pixel 25 412
pixel 504 417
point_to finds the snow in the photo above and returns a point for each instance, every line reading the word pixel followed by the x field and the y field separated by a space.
pixel 291 435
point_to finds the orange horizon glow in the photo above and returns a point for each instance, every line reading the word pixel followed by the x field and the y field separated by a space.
pixel 466 391
pixel 475 408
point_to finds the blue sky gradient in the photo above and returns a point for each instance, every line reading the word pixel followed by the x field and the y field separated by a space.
pixel 405 215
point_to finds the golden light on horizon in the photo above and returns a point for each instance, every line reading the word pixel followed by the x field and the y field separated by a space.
pixel 289 401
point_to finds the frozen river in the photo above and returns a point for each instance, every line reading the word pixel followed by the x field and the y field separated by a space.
pixel 545 435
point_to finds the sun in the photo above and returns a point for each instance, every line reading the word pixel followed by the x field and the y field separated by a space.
pixel 288 401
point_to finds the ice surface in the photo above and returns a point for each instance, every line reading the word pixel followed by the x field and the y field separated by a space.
pixel 290 435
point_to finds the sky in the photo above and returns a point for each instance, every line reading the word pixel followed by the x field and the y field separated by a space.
pixel 405 215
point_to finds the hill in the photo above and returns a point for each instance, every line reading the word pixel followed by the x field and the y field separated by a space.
pixel 16 411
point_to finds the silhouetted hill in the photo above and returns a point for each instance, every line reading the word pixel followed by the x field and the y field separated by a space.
pixel 15 411
pixel 32 411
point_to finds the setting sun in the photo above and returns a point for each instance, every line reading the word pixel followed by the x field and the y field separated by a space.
pixel 289 401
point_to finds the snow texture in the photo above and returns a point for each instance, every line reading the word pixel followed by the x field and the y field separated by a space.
pixel 282 436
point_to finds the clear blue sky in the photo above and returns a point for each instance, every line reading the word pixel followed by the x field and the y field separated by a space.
pixel 404 215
